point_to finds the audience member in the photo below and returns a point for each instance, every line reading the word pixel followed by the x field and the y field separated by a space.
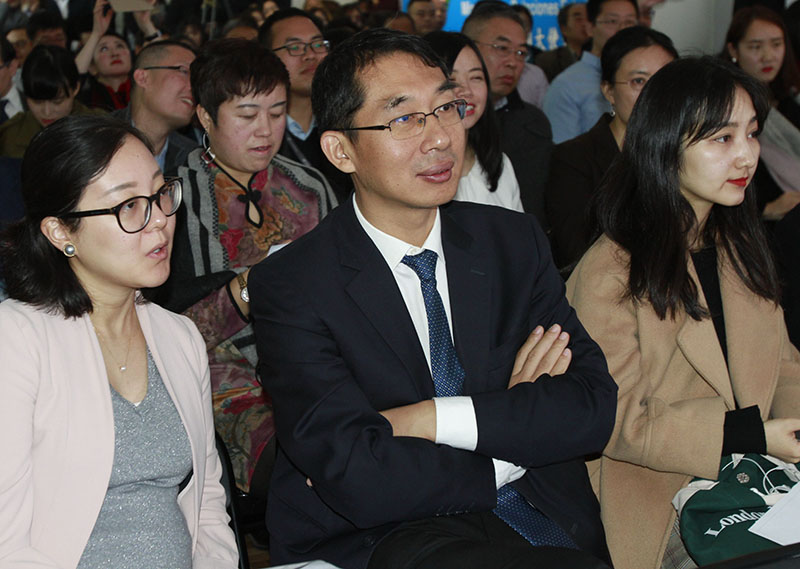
pixel 533 83
pixel 47 28
pixel 572 23
pixel 296 39
pixel 757 43
pixel 50 83
pixel 423 13
pixel 525 135
pixel 392 20
pixel 191 32
pixel 682 294
pixel 269 7
pixel 21 42
pixel 104 63
pixel 647 11
pixel 351 371
pixel 108 398
pixel 12 15
pixel 241 200
pixel 243 27
pixel 574 102
pixel 628 61
pixel 161 101
pixel 487 175
pixel 10 98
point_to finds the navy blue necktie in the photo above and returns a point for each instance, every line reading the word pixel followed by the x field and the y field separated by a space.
pixel 448 380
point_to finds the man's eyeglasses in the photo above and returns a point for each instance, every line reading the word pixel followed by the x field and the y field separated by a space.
pixel 133 214
pixel 617 23
pixel 503 50
pixel 300 48
pixel 412 124
pixel 182 69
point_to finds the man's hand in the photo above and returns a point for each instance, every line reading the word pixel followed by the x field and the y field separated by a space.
pixel 415 420
pixel 542 353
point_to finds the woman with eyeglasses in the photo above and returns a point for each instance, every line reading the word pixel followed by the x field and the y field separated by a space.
pixel 577 166
pixel 108 439
pixel 241 201
pixel 681 294
pixel 757 42
pixel 487 175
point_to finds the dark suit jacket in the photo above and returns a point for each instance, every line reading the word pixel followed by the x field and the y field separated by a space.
pixel 336 345
pixel 526 137
pixel 177 151
pixel 576 169
pixel 555 61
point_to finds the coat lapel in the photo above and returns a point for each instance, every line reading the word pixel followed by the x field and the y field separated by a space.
pixel 700 346
pixel 372 287
pixel 753 327
pixel 468 283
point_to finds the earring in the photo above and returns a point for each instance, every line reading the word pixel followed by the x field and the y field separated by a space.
pixel 733 59
pixel 69 250
pixel 208 155
pixel 613 112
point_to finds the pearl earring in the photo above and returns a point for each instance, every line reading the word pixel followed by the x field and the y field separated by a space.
pixel 69 250
pixel 733 59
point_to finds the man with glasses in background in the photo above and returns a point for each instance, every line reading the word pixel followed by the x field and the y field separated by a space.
pixel 161 101
pixel 418 349
pixel 525 134
pixel 296 38
pixel 573 102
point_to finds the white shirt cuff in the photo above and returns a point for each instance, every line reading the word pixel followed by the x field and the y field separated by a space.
pixel 505 472
pixel 456 425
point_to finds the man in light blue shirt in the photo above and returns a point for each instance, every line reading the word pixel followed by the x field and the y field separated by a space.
pixel 573 102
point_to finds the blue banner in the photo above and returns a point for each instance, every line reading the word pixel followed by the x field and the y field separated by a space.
pixel 545 34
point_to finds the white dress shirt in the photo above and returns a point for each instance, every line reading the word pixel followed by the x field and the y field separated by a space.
pixel 456 424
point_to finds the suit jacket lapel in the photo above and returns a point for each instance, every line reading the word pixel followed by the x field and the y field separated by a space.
pixel 468 282
pixel 700 346
pixel 372 287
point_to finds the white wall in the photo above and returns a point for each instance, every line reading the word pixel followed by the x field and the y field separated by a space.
pixel 696 26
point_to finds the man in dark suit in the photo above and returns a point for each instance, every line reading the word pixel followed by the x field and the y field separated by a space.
pixel 161 101
pixel 432 387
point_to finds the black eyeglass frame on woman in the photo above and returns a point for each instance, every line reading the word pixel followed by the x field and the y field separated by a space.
pixel 170 184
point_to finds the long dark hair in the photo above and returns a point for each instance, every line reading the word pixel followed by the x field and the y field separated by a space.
pixel 484 136
pixel 787 82
pixel 59 163
pixel 639 204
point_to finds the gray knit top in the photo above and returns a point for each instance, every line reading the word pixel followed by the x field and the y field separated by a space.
pixel 140 525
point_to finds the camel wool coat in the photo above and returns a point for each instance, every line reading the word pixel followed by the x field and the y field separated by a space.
pixel 674 391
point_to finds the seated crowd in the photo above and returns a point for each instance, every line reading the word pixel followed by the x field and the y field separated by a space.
pixel 447 300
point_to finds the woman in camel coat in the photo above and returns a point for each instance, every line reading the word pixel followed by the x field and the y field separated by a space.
pixel 681 294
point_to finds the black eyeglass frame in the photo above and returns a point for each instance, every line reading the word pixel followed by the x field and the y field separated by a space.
pixel 461 107
pixel 156 197
pixel 325 44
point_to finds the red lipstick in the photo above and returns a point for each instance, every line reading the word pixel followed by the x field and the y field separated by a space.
pixel 741 182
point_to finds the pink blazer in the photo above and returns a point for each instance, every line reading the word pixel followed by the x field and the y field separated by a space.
pixel 57 435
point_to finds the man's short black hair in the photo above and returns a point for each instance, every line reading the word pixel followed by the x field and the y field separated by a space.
pixel 486 10
pixel 337 92
pixel 563 14
pixel 44 20
pixel 593 8
pixel 7 51
pixel 265 31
